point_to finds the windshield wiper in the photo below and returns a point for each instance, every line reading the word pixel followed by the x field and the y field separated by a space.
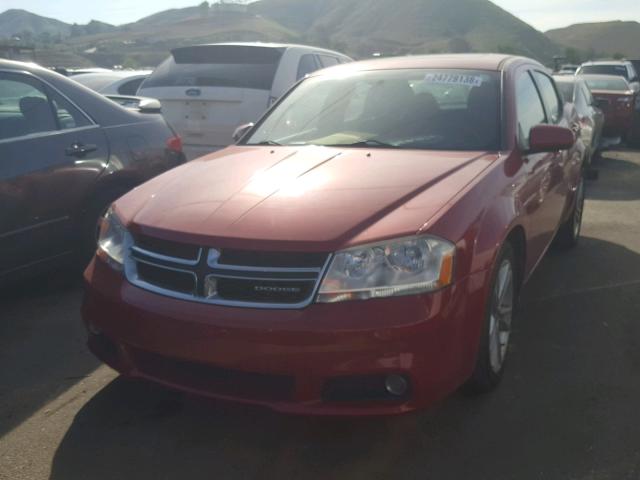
pixel 364 144
pixel 267 142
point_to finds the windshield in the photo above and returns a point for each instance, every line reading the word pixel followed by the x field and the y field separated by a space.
pixel 618 70
pixel 236 66
pixel 416 109
pixel 607 83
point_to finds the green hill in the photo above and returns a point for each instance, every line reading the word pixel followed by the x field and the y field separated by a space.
pixel 16 22
pixel 409 26
pixel 604 39
pixel 356 27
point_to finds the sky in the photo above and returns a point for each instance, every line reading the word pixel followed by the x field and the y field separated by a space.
pixel 542 14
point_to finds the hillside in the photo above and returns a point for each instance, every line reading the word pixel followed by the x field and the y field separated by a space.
pixel 16 22
pixel 34 27
pixel 356 27
pixel 147 42
pixel 410 26
pixel 606 38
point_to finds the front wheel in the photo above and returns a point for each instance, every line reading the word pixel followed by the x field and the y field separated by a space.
pixel 569 233
pixel 494 344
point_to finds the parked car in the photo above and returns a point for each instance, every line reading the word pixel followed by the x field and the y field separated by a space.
pixel 620 68
pixel 589 119
pixel 568 69
pixel 208 90
pixel 70 72
pixel 123 82
pixel 619 102
pixel 360 251
pixel 66 153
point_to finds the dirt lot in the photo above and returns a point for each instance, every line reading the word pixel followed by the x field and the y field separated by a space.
pixel 568 408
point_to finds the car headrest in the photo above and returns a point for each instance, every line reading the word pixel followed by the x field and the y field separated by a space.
pixel 37 112
pixel 483 100
pixel 389 96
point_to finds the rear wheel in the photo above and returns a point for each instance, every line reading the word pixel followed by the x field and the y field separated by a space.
pixel 494 344
pixel 569 233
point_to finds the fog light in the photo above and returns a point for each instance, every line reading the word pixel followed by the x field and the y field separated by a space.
pixel 396 385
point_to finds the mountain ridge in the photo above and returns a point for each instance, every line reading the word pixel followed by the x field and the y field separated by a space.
pixel 614 38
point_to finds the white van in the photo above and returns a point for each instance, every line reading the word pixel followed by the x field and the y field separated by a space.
pixel 207 91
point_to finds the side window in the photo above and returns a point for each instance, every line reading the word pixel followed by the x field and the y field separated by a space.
pixel 307 65
pixel 550 96
pixel 67 115
pixel 529 108
pixel 328 61
pixel 24 107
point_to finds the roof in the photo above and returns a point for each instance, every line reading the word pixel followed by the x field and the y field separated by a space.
pixel 607 62
pixel 264 45
pixel 467 61
pixel 602 77
pixel 565 78
pixel 113 75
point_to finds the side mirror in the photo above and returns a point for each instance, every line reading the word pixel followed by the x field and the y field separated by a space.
pixel 550 138
pixel 241 131
pixel 149 105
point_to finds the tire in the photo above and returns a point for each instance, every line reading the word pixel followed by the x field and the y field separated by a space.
pixel 569 233
pixel 88 226
pixel 496 332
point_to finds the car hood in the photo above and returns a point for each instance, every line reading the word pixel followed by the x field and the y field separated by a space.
pixel 281 196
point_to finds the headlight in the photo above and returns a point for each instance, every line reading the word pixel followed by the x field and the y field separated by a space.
pixel 398 267
pixel 114 241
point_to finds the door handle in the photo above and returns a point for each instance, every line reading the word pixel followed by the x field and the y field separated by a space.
pixel 79 150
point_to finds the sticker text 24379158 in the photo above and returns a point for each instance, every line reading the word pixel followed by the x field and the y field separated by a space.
pixel 454 79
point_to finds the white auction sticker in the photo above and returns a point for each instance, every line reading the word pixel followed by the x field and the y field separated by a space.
pixel 454 79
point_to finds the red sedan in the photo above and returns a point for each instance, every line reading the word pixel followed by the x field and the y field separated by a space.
pixel 619 102
pixel 360 251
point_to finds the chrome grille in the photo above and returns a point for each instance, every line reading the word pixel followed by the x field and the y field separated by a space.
pixel 236 278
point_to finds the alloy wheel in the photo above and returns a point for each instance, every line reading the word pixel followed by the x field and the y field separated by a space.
pixel 501 315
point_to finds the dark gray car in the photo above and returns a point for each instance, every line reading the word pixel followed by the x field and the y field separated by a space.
pixel 66 153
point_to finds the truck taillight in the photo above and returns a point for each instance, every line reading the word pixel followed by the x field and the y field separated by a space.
pixel 175 144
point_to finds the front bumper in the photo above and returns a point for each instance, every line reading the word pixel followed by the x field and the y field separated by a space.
pixel 291 361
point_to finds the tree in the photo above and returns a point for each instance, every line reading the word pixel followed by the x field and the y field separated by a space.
pixel 130 63
pixel 573 55
pixel 618 56
pixel 204 9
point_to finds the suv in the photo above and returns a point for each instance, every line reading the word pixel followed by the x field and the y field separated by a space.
pixel 620 68
pixel 208 90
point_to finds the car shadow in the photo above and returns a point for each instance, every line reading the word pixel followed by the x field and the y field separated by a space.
pixel 42 344
pixel 619 176
pixel 562 411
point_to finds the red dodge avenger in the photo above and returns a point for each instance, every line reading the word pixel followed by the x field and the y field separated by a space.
pixel 360 250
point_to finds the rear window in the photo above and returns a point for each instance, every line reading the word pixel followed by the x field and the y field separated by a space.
pixel 607 83
pixel 618 70
pixel 96 82
pixel 232 66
